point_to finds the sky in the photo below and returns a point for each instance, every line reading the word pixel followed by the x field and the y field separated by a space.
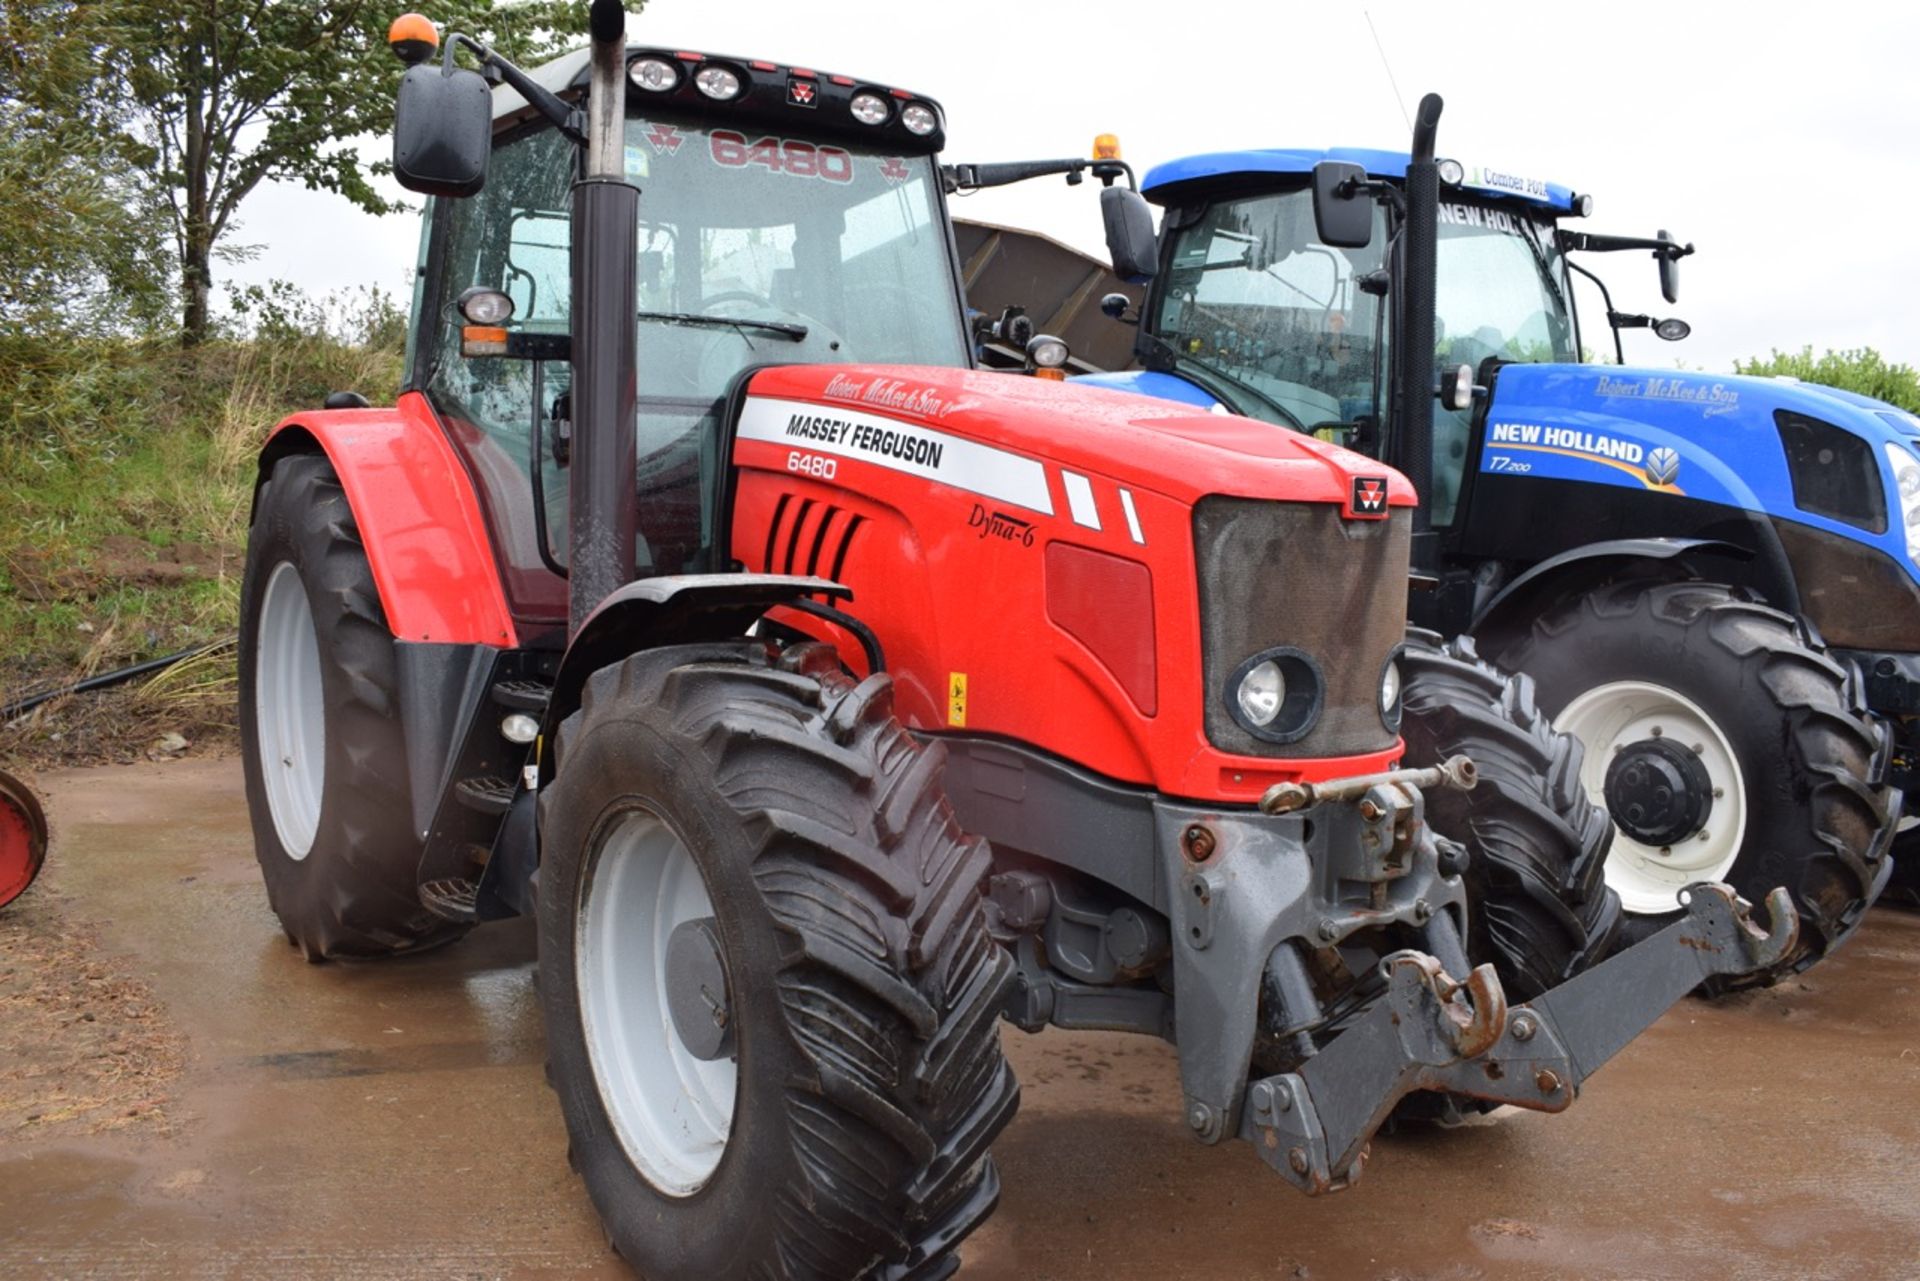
pixel 1783 141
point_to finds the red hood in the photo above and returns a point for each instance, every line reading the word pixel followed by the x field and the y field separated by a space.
pixel 1143 441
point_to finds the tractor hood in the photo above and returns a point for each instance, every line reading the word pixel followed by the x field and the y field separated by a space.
pixel 995 434
pixel 1777 445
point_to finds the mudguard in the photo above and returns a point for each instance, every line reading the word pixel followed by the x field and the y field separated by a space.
pixel 1520 598
pixel 673 609
pixel 419 518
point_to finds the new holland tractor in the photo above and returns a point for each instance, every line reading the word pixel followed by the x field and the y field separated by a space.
pixel 1713 581
pixel 827 701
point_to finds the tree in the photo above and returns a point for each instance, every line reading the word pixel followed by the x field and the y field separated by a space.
pixel 227 94
pixel 80 247
pixel 1859 369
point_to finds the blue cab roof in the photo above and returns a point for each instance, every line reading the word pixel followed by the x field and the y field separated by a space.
pixel 1378 164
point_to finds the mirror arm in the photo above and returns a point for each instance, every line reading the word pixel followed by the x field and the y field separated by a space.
pixel 569 121
pixel 1593 242
pixel 1619 352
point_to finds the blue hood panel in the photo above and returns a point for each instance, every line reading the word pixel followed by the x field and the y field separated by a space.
pixel 1706 436
pixel 1147 382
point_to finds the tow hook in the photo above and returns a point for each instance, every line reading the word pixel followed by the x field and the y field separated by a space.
pixel 1456 772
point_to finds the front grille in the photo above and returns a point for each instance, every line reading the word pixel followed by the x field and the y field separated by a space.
pixel 1298 574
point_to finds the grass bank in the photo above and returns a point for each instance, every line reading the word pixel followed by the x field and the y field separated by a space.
pixel 125 474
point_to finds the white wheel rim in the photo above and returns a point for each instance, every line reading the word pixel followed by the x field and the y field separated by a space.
pixel 1610 717
pixel 290 714
pixel 671 1111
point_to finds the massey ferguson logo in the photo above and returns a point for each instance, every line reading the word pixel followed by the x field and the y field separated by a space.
pixel 894 169
pixel 1369 495
pixel 664 139
pixel 801 93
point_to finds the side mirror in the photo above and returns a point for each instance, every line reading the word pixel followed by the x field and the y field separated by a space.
pixel 1115 306
pixel 1342 209
pixel 1669 269
pixel 442 131
pixel 1130 240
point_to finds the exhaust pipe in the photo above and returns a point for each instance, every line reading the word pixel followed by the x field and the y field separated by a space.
pixel 1415 355
pixel 606 208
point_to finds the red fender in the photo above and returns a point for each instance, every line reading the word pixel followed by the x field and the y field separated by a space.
pixel 419 518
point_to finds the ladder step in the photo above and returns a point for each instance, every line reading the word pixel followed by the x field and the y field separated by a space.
pixel 486 795
pixel 522 695
pixel 451 899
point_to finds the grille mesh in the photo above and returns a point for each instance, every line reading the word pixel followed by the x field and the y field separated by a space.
pixel 1298 574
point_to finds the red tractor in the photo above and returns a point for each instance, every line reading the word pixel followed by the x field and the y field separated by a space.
pixel 828 701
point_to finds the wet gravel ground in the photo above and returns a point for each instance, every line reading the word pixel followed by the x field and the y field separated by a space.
pixel 389 1121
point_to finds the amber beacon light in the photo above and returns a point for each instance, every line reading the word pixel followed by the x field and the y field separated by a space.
pixel 412 38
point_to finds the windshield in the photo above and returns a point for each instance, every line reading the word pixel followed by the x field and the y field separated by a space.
pixel 1274 323
pixel 837 249
pixel 1253 297
pixel 753 249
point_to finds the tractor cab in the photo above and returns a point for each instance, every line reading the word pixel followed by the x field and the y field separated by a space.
pixel 788 217
pixel 1255 310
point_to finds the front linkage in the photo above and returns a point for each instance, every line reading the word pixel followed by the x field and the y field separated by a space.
pixel 1253 906
pixel 1430 1033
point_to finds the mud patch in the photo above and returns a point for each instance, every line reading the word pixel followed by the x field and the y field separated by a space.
pixel 85 1048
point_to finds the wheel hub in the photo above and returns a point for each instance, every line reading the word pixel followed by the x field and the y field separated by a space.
pixel 697 990
pixel 1658 792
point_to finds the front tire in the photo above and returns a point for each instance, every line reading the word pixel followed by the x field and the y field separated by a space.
pixel 324 758
pixel 1536 845
pixel 838 1128
pixel 1761 760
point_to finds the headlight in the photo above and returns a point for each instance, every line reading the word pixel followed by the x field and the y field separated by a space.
pixel 1906 479
pixel 1046 352
pixel 919 119
pixel 483 306
pixel 1276 695
pixel 717 83
pixel 1452 173
pixel 655 75
pixel 869 108
pixel 1261 692
pixel 1390 692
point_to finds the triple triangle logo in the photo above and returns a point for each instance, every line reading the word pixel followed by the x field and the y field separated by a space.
pixel 1370 496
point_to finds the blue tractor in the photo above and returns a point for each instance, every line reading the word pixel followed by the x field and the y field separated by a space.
pixel 1713 580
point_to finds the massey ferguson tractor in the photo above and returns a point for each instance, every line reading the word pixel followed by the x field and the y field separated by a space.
pixel 1713 581
pixel 828 701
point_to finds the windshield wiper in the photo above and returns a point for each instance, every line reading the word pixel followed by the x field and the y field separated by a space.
pixel 787 330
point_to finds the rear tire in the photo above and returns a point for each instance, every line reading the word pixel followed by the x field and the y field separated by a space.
pixel 321 742
pixel 1537 846
pixel 862 988
pixel 1761 691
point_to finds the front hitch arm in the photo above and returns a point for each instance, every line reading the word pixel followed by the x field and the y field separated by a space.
pixel 1428 1032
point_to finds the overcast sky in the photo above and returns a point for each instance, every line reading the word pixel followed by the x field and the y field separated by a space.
pixel 1784 141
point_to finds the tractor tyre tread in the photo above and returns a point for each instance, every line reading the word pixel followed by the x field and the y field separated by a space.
pixel 1831 756
pixel 1540 908
pixel 355 894
pixel 889 985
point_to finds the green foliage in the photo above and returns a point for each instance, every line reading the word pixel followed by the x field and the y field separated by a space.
pixel 1858 369
pixel 126 469
pixel 81 247
pixel 169 113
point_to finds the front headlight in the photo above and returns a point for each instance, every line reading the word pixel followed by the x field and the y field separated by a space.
pixel 1275 695
pixel 1906 479
pixel 1260 693
pixel 1390 694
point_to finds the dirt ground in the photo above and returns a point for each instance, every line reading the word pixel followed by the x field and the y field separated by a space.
pixel 182 1096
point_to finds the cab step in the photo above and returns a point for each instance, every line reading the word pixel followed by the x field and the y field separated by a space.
pixel 485 794
pixel 451 898
pixel 522 695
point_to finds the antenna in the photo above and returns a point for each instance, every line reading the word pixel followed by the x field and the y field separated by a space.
pixel 1388 67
